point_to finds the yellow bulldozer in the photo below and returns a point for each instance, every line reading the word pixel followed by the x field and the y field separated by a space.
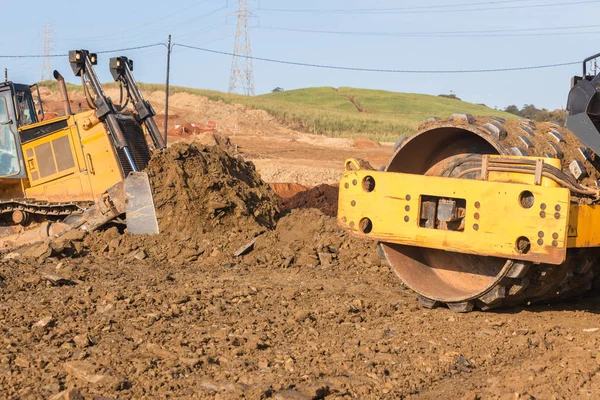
pixel 77 171
pixel 485 212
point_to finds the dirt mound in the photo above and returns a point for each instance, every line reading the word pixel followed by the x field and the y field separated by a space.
pixel 363 143
pixel 188 129
pixel 204 138
pixel 230 118
pixel 287 190
pixel 308 238
pixel 323 197
pixel 207 202
pixel 199 188
pixel 121 326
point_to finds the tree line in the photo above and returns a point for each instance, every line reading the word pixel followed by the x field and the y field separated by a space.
pixel 530 111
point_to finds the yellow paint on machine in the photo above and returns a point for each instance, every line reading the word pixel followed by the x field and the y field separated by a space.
pixel 583 226
pixel 70 164
pixel 495 219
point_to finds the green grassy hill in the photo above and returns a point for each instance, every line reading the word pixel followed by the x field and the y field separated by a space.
pixel 336 112
pixel 346 112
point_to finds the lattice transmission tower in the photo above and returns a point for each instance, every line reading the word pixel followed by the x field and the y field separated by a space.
pixel 46 65
pixel 242 72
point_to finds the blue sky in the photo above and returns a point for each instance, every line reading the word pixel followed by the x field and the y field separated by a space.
pixel 112 24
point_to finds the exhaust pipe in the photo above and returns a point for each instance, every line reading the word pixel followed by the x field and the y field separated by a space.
pixel 63 92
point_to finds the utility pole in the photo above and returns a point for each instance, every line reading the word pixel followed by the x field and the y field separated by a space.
pixel 242 72
pixel 169 48
pixel 46 65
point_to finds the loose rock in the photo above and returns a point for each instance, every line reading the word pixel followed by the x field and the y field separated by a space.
pixel 245 249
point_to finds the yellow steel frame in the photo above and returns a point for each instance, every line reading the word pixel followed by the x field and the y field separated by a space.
pixel 32 163
pixel 495 219
pixel 96 165
pixel 583 228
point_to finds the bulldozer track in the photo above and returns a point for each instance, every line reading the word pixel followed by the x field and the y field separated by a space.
pixel 42 208
pixel 525 282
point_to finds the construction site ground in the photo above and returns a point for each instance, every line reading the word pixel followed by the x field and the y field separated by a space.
pixel 250 292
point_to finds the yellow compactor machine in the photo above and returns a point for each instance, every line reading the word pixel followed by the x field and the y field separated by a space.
pixel 482 212
pixel 80 170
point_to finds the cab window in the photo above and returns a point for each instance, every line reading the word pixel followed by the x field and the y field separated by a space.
pixel 25 106
pixel 9 161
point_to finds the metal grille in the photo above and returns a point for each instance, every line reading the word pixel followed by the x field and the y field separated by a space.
pixel 134 136
pixel 63 153
pixel 45 159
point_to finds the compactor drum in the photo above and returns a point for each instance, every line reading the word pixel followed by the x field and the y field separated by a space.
pixel 479 212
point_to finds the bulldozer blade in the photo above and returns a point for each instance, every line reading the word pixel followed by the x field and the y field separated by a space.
pixel 139 206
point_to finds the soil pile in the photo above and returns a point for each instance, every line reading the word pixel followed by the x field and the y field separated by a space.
pixel 323 197
pixel 230 118
pixel 364 143
pixel 207 202
pixel 308 238
pixel 198 189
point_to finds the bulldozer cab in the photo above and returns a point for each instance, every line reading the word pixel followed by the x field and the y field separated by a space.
pixel 11 117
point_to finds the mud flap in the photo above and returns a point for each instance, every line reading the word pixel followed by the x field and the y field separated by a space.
pixel 139 206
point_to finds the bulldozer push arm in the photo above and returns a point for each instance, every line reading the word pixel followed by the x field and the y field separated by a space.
pixel 135 190
pixel 121 69
pixel 82 63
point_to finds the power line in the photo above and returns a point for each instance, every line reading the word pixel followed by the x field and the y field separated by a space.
pixel 200 31
pixel 400 71
pixel 144 26
pixel 97 52
pixel 417 10
pixel 32 55
pixel 144 35
pixel 323 66
pixel 400 8
pixel 130 48
pixel 480 33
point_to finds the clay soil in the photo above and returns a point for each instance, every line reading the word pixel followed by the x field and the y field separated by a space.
pixel 250 292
